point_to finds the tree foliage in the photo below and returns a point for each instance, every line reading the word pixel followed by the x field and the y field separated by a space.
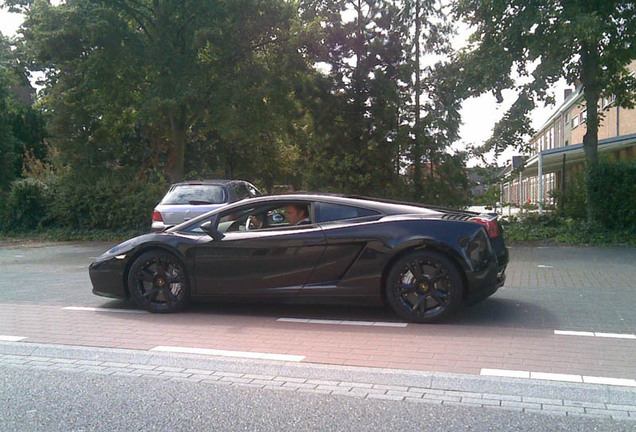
pixel 542 41
pixel 313 95
pixel 587 42
pixel 372 135
pixel 130 83
pixel 21 126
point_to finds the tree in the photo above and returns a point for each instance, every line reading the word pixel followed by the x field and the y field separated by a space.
pixel 21 126
pixel 129 82
pixel 356 105
pixel 381 118
pixel 586 41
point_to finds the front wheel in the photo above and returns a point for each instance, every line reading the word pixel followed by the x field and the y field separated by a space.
pixel 424 286
pixel 157 282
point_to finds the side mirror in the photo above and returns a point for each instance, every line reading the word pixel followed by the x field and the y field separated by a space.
pixel 209 229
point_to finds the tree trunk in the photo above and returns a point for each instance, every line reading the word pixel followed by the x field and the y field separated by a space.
pixel 591 93
pixel 177 156
pixel 417 145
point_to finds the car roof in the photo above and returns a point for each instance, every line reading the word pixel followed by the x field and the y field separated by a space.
pixel 387 207
pixel 208 182
pixel 383 206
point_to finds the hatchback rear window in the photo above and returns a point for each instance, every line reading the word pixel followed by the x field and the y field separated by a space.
pixel 196 194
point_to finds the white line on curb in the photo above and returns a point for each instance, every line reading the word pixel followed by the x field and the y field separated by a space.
pixel 224 353
pixel 343 322
pixel 558 377
pixel 505 373
pixel 595 334
pixel 95 309
pixel 4 338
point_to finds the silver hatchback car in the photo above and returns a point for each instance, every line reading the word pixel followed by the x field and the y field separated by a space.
pixel 187 200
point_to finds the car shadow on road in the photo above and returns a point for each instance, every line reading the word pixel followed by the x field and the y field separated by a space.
pixel 492 312
pixel 505 312
pixel 298 311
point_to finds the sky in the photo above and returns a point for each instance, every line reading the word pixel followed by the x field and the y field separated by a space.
pixel 479 115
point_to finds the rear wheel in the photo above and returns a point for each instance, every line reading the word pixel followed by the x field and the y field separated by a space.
pixel 157 282
pixel 424 286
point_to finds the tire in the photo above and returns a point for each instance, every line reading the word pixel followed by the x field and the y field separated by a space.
pixel 157 282
pixel 424 286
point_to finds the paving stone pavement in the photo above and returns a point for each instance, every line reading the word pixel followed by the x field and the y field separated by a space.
pixel 545 398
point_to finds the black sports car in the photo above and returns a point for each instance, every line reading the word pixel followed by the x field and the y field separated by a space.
pixel 423 261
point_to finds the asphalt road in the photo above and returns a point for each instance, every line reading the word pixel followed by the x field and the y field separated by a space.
pixel 55 401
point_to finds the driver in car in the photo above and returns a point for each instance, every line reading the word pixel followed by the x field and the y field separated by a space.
pixel 297 214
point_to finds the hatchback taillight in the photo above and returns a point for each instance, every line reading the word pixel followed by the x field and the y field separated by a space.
pixel 156 216
pixel 490 224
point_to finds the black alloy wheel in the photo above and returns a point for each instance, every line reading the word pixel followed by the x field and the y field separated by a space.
pixel 424 286
pixel 157 282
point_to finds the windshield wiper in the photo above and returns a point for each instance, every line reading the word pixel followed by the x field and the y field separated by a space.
pixel 197 202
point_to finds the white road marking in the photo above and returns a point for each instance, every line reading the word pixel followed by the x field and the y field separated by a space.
pixel 555 377
pixel 5 338
pixel 595 334
pixel 609 381
pixel 626 382
pixel 544 266
pixel 343 322
pixel 224 353
pixel 616 335
pixel 95 309
pixel 505 373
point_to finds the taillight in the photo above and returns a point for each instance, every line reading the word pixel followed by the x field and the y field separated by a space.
pixel 491 225
pixel 156 216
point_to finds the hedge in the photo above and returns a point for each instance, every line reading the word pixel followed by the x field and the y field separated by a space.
pixel 113 203
pixel 612 187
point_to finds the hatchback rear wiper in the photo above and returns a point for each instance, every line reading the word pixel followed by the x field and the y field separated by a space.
pixel 196 202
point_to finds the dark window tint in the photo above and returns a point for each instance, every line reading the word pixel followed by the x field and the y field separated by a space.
pixel 196 194
pixel 241 190
pixel 334 212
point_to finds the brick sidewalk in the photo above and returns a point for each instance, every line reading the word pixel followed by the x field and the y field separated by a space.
pixel 443 348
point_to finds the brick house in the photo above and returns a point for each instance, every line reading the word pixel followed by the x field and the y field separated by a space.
pixel 556 150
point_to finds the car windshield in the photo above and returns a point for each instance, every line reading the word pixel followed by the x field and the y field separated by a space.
pixel 196 194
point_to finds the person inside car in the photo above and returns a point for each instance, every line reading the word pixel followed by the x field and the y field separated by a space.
pixel 297 214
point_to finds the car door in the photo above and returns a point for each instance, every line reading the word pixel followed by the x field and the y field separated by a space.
pixel 276 260
pixel 347 232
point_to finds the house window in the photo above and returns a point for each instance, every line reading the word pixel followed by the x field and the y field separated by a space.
pixel 583 116
pixel 575 121
pixel 608 100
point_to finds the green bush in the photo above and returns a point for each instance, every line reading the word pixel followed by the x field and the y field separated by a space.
pixel 574 203
pixel 612 186
pixel 553 229
pixel 112 203
pixel 4 196
pixel 26 205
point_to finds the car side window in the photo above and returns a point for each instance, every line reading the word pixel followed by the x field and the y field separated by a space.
pixel 261 217
pixel 253 191
pixel 241 191
pixel 326 212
